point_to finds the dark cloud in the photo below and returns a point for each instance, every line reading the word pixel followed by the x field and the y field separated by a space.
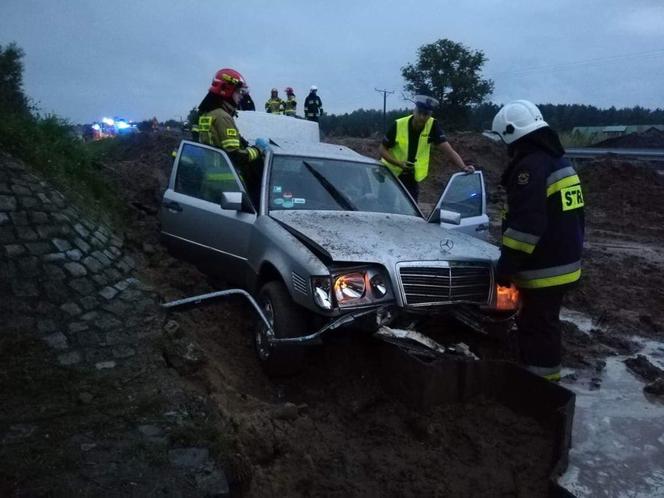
pixel 139 59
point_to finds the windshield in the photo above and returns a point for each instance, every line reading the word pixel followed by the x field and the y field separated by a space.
pixel 298 183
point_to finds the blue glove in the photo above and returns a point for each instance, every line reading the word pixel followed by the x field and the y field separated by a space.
pixel 262 144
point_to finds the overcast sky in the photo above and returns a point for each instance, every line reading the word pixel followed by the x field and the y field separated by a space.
pixel 141 58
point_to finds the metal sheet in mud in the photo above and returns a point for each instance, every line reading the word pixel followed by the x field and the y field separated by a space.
pixel 425 384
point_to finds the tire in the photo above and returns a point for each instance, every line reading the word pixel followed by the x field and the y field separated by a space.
pixel 288 320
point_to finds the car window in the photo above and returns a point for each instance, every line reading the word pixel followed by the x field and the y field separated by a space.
pixel 298 183
pixel 464 195
pixel 204 173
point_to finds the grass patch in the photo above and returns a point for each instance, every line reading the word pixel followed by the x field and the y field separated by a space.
pixel 50 147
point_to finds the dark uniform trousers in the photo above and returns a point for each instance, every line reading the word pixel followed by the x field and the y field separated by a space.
pixel 538 325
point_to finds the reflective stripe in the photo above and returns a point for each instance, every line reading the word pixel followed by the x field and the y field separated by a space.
pixel 517 245
pixel 204 127
pixel 253 153
pixel 549 277
pixel 561 184
pixel 560 174
pixel 550 272
pixel 528 238
pixel 204 123
pixel 520 241
pixel 549 373
pixel 219 177
pixel 230 143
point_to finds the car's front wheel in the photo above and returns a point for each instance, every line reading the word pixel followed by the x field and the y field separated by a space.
pixel 287 320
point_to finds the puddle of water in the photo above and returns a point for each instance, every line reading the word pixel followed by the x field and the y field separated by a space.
pixel 581 320
pixel 618 434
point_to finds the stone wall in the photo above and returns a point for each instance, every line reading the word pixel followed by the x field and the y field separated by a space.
pixel 65 276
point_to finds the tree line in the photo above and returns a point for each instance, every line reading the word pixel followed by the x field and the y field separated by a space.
pixel 452 73
pixel 561 117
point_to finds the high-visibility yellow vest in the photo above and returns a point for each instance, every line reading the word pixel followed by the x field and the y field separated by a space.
pixel 400 149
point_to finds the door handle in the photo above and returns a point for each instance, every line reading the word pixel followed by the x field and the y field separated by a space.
pixel 173 206
pixel 481 228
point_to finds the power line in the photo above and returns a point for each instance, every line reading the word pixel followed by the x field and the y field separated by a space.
pixel 650 54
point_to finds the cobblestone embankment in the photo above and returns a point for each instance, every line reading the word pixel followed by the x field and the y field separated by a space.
pixel 89 405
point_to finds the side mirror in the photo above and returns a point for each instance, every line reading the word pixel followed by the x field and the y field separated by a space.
pixel 231 201
pixel 444 216
pixel 451 217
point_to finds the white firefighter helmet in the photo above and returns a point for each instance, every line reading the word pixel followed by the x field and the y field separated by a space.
pixel 313 88
pixel 516 120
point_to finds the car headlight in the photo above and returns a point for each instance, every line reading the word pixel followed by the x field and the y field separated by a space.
pixel 378 285
pixel 322 293
pixel 349 287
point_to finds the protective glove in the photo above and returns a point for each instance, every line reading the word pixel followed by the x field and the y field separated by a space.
pixel 262 144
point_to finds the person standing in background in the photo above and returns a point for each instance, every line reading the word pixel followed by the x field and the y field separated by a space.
pixel 274 104
pixel 246 102
pixel 313 106
pixel 406 146
pixel 290 105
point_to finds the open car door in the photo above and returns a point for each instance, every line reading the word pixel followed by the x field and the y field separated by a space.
pixel 196 219
pixel 465 195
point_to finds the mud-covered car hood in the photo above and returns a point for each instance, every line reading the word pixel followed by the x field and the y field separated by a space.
pixel 382 238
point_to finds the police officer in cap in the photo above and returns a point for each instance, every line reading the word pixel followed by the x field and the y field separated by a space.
pixel 543 230
pixel 407 144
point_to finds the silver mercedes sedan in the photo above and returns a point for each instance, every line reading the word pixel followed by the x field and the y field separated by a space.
pixel 323 236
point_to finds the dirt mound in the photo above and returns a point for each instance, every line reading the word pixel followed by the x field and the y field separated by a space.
pixel 624 196
pixel 649 139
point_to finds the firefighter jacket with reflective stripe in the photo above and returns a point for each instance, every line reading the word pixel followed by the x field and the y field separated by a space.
pixel 290 105
pixel 400 149
pixel 313 106
pixel 274 106
pixel 218 128
pixel 543 227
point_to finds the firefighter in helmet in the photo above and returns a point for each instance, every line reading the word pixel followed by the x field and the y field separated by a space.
pixel 313 105
pixel 216 125
pixel 543 230
pixel 290 104
pixel 274 104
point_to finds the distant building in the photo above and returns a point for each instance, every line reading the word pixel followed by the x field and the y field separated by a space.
pixel 603 132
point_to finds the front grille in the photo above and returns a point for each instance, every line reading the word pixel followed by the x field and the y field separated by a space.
pixel 436 285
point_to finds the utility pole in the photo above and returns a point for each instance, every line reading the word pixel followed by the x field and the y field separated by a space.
pixel 384 92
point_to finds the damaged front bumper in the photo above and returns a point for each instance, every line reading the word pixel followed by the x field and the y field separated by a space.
pixel 382 317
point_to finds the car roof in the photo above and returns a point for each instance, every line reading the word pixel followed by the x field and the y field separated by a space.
pixel 319 150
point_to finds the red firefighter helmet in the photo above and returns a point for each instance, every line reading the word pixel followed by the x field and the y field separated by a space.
pixel 226 82
pixel 289 90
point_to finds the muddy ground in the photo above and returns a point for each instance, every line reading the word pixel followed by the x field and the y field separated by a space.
pixel 334 430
